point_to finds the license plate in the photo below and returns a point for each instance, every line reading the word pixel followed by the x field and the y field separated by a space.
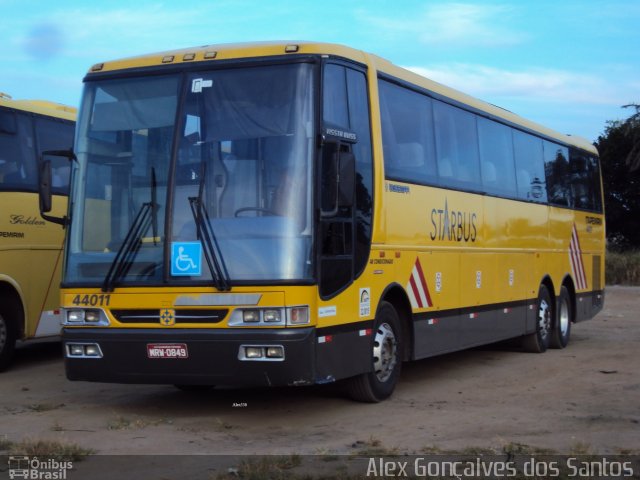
pixel 167 350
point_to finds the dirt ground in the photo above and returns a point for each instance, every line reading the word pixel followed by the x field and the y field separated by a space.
pixel 585 397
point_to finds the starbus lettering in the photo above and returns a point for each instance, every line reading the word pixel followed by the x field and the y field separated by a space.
pixel 453 225
pixel 22 220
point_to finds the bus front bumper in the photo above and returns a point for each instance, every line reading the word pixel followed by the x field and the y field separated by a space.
pixel 230 357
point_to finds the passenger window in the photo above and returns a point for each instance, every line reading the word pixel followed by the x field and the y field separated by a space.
pixel 530 175
pixel 496 155
pixel 593 169
pixel 457 147
pixel 584 181
pixel 17 155
pixel 556 167
pixel 407 134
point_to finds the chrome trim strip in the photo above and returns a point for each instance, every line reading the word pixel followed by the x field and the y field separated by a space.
pixel 218 299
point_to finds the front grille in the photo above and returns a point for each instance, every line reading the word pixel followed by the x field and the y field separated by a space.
pixel 134 316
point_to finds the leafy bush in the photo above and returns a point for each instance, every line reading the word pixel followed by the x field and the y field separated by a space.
pixel 623 268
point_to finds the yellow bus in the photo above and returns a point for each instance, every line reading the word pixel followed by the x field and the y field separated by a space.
pixel 303 213
pixel 30 247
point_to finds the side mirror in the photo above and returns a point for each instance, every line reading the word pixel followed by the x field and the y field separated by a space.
pixel 338 171
pixel 45 184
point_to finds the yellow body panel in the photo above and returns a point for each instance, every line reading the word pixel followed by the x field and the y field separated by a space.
pixel 30 254
pixel 30 247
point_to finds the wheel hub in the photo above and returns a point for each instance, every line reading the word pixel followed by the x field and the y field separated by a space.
pixel 564 319
pixel 544 318
pixel 384 352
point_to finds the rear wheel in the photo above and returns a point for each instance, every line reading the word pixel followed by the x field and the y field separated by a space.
pixel 386 358
pixel 9 317
pixel 538 341
pixel 562 325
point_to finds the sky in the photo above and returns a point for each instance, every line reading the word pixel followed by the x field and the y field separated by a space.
pixel 568 64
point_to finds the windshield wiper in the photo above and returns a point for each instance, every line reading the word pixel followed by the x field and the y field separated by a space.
pixel 212 252
pixel 146 216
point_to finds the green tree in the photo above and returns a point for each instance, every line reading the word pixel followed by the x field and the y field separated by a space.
pixel 619 149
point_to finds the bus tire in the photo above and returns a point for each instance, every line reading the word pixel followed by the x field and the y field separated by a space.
pixel 9 315
pixel 561 330
pixel 386 359
pixel 538 341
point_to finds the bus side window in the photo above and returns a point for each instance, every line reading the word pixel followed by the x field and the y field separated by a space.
pixel 496 153
pixel 556 167
pixel 407 134
pixel 456 136
pixel 17 154
pixel 530 160
pixel 584 175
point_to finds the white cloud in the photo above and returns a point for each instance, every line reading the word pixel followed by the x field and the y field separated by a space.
pixel 454 24
pixel 489 83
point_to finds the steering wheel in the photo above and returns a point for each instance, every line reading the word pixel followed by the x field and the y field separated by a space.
pixel 255 209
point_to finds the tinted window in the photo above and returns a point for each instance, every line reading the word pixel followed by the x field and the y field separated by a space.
pixel 346 105
pixel 496 155
pixel 360 124
pixel 530 176
pixel 456 147
pixel 407 134
pixel 335 107
pixel 556 167
pixel 593 170
pixel 573 178
pixel 432 142
pixel 584 180
pixel 17 157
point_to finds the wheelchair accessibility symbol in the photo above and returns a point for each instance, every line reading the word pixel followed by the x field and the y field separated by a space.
pixel 186 259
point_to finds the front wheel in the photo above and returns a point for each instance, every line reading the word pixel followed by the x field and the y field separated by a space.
pixel 538 341
pixel 8 332
pixel 386 359
pixel 562 325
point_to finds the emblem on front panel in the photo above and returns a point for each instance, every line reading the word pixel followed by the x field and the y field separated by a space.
pixel 168 317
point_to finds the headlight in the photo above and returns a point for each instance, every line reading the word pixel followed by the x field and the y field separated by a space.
pixel 250 316
pixel 275 352
pixel 253 352
pixel 92 316
pixel 75 316
pixel 272 316
pixel 76 350
pixel 83 350
pixel 261 353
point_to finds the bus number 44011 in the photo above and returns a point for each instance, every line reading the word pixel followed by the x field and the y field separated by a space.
pixel 92 300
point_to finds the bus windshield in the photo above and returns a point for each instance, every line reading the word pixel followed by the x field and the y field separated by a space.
pixel 237 142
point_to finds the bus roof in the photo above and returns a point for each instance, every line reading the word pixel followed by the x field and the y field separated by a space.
pixel 213 53
pixel 42 107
